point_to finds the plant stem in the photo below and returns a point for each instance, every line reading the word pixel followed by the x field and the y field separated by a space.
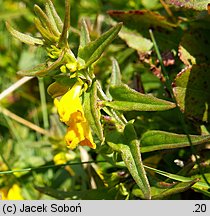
pixel 8 166
pixel 43 103
pixel 49 166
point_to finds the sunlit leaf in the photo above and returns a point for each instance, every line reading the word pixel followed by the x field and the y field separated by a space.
pixel 23 37
pixel 142 20
pixel 195 4
pixel 134 148
pixel 56 17
pixel 186 57
pixel 47 35
pixel 128 146
pixel 61 86
pixel 163 191
pixel 53 17
pixel 135 40
pixel 201 185
pixel 116 77
pixel 56 89
pixel 192 87
pixel 93 50
pixel 127 99
pixel 159 140
pixel 43 69
pixel 46 21
pixel 84 37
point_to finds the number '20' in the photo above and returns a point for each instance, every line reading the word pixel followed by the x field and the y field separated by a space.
pixel 200 208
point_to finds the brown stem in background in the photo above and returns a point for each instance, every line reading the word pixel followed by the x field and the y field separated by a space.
pixel 17 118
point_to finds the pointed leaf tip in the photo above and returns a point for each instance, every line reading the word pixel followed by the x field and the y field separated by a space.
pixel 23 37
pixel 158 140
pixel 55 16
pixel 93 50
pixel 84 36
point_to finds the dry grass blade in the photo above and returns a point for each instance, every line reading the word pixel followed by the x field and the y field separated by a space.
pixel 23 121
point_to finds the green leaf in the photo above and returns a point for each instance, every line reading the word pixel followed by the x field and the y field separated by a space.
pixel 142 20
pixel 186 57
pixel 192 86
pixel 116 78
pixel 164 190
pixel 158 140
pixel 135 40
pixel 34 71
pixel 43 69
pixel 46 21
pixel 23 37
pixel 195 4
pixel 56 17
pixel 127 99
pixel 201 185
pixel 174 189
pixel 201 188
pixel 47 35
pixel 28 56
pixel 92 112
pixel 134 147
pixel 65 80
pixel 129 148
pixel 84 35
pixel 94 194
pixel 93 50
pixel 52 15
pixel 60 87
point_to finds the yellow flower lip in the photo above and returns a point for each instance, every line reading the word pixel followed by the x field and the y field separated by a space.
pixel 71 113
pixel 79 133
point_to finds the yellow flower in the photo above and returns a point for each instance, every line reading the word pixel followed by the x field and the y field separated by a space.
pixel 69 107
pixel 79 133
pixel 63 157
pixel 71 113
pixel 14 193
pixel 3 194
